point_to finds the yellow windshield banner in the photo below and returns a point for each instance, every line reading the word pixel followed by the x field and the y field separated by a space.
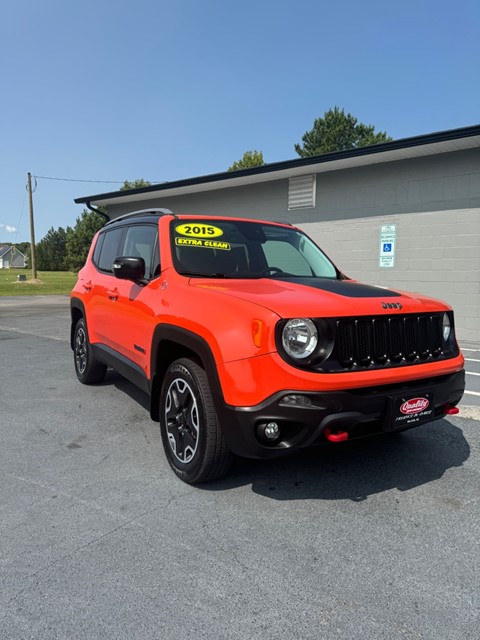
pixel 199 242
pixel 198 230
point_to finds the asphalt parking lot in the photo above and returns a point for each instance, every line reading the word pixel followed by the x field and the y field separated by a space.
pixel 98 539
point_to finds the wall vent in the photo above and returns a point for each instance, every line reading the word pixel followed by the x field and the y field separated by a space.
pixel 302 192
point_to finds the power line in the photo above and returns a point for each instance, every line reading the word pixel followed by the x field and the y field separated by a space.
pixel 21 215
pixel 78 180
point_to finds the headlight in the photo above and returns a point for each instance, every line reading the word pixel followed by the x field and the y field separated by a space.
pixel 446 327
pixel 299 338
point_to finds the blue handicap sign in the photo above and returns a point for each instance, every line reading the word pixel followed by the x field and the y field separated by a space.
pixel 387 247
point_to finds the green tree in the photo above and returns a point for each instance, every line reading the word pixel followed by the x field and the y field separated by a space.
pixel 249 159
pixel 79 239
pixel 51 251
pixel 338 131
pixel 136 184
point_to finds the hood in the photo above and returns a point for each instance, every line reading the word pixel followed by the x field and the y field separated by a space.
pixel 318 297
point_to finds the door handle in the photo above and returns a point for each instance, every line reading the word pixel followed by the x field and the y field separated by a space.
pixel 113 295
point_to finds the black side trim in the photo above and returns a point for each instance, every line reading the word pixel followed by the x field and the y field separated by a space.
pixel 360 412
pixel 108 356
pixel 123 365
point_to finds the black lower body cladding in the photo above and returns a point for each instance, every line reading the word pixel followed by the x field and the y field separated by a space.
pixel 303 418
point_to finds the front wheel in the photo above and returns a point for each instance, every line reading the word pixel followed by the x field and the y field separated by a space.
pixel 193 441
pixel 87 368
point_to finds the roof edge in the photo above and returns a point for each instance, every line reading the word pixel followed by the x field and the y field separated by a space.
pixel 402 143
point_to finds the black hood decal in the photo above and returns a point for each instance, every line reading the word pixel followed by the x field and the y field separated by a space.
pixel 346 288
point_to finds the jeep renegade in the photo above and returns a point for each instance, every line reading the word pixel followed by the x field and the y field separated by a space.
pixel 249 340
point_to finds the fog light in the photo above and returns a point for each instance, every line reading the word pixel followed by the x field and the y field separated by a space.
pixel 269 431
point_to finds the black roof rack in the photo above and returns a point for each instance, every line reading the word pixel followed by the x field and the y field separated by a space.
pixel 145 212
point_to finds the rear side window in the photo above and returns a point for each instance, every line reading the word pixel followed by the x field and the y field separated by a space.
pixel 98 248
pixel 109 249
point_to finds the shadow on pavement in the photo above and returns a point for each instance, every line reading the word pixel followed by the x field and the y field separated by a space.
pixel 125 386
pixel 347 471
pixel 355 470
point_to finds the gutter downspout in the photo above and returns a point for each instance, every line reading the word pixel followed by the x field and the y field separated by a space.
pixel 98 212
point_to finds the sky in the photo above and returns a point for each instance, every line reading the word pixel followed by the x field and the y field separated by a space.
pixel 164 90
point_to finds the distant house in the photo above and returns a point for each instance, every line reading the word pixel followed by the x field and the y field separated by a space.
pixel 11 257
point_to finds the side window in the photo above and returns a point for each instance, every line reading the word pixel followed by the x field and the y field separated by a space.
pixel 142 241
pixel 98 248
pixel 109 249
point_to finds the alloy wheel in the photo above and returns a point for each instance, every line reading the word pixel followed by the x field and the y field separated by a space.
pixel 182 420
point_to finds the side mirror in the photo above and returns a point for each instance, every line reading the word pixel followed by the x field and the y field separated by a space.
pixel 129 268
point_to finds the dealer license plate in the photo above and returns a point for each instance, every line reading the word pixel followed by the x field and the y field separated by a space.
pixel 409 411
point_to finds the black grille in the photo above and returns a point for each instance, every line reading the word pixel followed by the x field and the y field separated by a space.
pixel 383 340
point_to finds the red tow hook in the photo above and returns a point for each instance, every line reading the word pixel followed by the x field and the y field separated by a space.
pixel 340 436
pixel 451 411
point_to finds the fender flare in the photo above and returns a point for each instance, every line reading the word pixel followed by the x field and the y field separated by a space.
pixel 165 338
pixel 77 309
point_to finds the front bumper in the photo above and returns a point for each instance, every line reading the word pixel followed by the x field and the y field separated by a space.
pixel 359 412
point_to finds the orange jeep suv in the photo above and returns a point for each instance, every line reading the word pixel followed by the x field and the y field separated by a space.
pixel 250 341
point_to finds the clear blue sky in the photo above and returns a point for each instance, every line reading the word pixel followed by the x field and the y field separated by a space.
pixel 163 90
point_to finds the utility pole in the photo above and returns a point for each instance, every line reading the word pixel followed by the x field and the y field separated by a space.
pixel 32 228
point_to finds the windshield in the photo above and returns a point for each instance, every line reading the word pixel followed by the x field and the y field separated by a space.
pixel 239 249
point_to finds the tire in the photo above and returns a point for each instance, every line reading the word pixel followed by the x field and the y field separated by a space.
pixel 193 441
pixel 88 369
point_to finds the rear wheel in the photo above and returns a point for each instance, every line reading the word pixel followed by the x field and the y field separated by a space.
pixel 87 368
pixel 193 441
